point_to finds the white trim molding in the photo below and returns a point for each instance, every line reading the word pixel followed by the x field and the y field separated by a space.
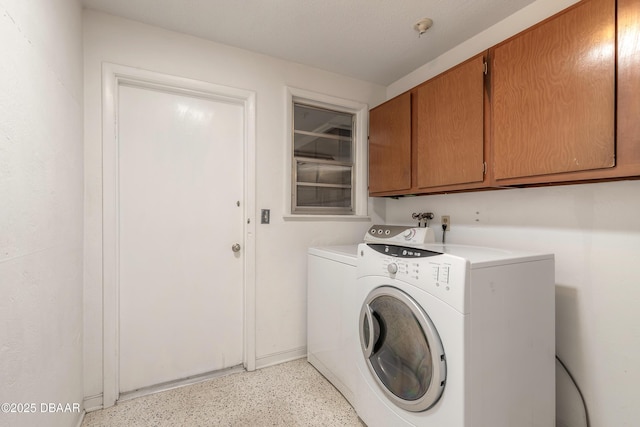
pixel 113 76
pixel 361 112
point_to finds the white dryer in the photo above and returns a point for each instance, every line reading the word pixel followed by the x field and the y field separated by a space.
pixel 454 336
pixel 331 287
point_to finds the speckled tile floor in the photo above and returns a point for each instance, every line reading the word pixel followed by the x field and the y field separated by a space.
pixel 289 394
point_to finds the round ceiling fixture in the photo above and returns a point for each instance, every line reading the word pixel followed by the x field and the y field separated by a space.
pixel 423 25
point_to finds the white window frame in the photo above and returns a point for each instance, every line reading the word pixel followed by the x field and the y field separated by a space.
pixel 361 121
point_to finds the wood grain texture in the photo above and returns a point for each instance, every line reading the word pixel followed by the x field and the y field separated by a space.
pixel 628 103
pixel 553 95
pixel 390 145
pixel 450 127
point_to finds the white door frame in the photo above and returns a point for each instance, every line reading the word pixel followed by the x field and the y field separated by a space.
pixel 113 76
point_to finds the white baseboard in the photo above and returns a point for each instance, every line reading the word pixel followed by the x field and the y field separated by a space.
pixel 280 357
pixel 93 403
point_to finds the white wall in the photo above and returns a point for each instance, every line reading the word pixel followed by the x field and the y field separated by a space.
pixel 281 246
pixel 41 208
pixel 594 231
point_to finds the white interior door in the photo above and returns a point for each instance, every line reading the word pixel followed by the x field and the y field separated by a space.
pixel 179 195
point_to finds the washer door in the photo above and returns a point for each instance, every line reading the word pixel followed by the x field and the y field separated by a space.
pixel 402 349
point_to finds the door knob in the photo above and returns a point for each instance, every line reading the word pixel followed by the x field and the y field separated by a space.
pixel 236 247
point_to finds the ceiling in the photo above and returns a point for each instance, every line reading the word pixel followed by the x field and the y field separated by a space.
pixel 371 40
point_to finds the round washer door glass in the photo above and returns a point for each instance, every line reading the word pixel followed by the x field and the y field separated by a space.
pixel 402 349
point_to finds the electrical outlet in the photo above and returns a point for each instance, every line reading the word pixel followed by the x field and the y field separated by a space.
pixel 445 220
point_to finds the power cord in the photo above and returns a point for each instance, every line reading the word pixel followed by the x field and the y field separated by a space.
pixel 444 232
pixel 584 403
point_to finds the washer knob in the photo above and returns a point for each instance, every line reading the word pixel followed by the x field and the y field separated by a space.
pixel 408 235
pixel 392 268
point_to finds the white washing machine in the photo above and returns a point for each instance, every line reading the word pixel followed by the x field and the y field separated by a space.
pixel 454 336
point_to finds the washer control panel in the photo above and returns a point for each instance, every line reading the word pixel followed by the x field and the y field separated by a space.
pixel 399 234
pixel 442 275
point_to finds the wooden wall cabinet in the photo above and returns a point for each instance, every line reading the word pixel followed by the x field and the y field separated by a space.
pixel 430 139
pixel 390 147
pixel 553 97
pixel 628 100
pixel 449 129
pixel 560 104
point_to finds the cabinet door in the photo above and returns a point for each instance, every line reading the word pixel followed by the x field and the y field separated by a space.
pixel 450 127
pixel 628 144
pixel 553 94
pixel 390 146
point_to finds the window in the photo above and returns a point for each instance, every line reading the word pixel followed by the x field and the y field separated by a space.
pixel 323 160
pixel 327 173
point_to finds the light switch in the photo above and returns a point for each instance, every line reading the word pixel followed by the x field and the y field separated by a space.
pixel 264 216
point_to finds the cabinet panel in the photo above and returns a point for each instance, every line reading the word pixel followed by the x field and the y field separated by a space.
pixel 553 94
pixel 628 136
pixel 450 127
pixel 390 146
